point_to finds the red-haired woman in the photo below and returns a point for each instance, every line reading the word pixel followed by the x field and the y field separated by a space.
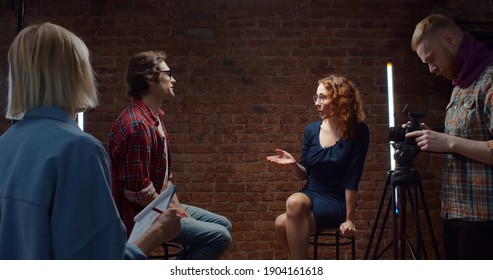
pixel 332 159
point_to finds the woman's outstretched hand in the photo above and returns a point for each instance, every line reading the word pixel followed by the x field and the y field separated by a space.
pixel 282 157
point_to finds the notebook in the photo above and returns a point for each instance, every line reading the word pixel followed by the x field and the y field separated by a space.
pixel 144 219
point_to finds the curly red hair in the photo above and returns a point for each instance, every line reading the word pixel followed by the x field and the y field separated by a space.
pixel 345 103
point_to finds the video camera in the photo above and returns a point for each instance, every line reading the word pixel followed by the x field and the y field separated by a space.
pixel 406 149
pixel 398 134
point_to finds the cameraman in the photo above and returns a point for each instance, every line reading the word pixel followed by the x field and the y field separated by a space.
pixel 467 183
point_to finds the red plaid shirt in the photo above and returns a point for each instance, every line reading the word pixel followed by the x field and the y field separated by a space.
pixel 138 159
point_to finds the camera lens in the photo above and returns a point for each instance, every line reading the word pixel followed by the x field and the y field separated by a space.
pixel 397 134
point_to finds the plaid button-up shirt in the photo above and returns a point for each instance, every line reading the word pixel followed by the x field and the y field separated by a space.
pixel 138 159
pixel 467 190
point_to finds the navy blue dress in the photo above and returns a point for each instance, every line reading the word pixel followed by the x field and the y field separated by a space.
pixel 331 170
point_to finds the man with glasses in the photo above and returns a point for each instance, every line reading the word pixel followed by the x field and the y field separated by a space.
pixel 140 159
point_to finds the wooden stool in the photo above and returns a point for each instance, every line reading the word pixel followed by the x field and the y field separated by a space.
pixel 338 240
pixel 169 250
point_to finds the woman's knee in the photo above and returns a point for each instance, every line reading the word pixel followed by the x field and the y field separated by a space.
pixel 280 223
pixel 297 204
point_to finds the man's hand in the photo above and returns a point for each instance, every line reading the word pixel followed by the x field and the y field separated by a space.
pixel 431 141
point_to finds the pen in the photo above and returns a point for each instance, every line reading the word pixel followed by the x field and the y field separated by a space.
pixel 181 215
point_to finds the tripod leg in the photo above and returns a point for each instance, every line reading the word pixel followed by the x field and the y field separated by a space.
pixel 428 218
pixel 419 236
pixel 415 210
pixel 382 230
pixel 418 193
pixel 403 234
pixel 377 218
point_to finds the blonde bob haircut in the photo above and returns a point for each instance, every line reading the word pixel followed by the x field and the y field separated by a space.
pixel 49 66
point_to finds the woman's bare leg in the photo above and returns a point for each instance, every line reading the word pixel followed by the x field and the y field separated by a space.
pixel 299 222
pixel 281 231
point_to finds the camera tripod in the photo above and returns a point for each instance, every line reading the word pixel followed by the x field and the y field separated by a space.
pixel 405 181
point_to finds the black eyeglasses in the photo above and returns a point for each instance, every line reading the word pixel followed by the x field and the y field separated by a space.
pixel 320 97
pixel 165 71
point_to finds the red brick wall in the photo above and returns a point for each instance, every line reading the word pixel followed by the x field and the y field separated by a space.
pixel 245 71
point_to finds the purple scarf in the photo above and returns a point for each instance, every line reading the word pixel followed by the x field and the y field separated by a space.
pixel 472 59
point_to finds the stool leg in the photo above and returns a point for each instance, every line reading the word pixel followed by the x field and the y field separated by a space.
pixel 315 247
pixel 337 245
pixel 338 241
pixel 353 247
pixel 166 252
